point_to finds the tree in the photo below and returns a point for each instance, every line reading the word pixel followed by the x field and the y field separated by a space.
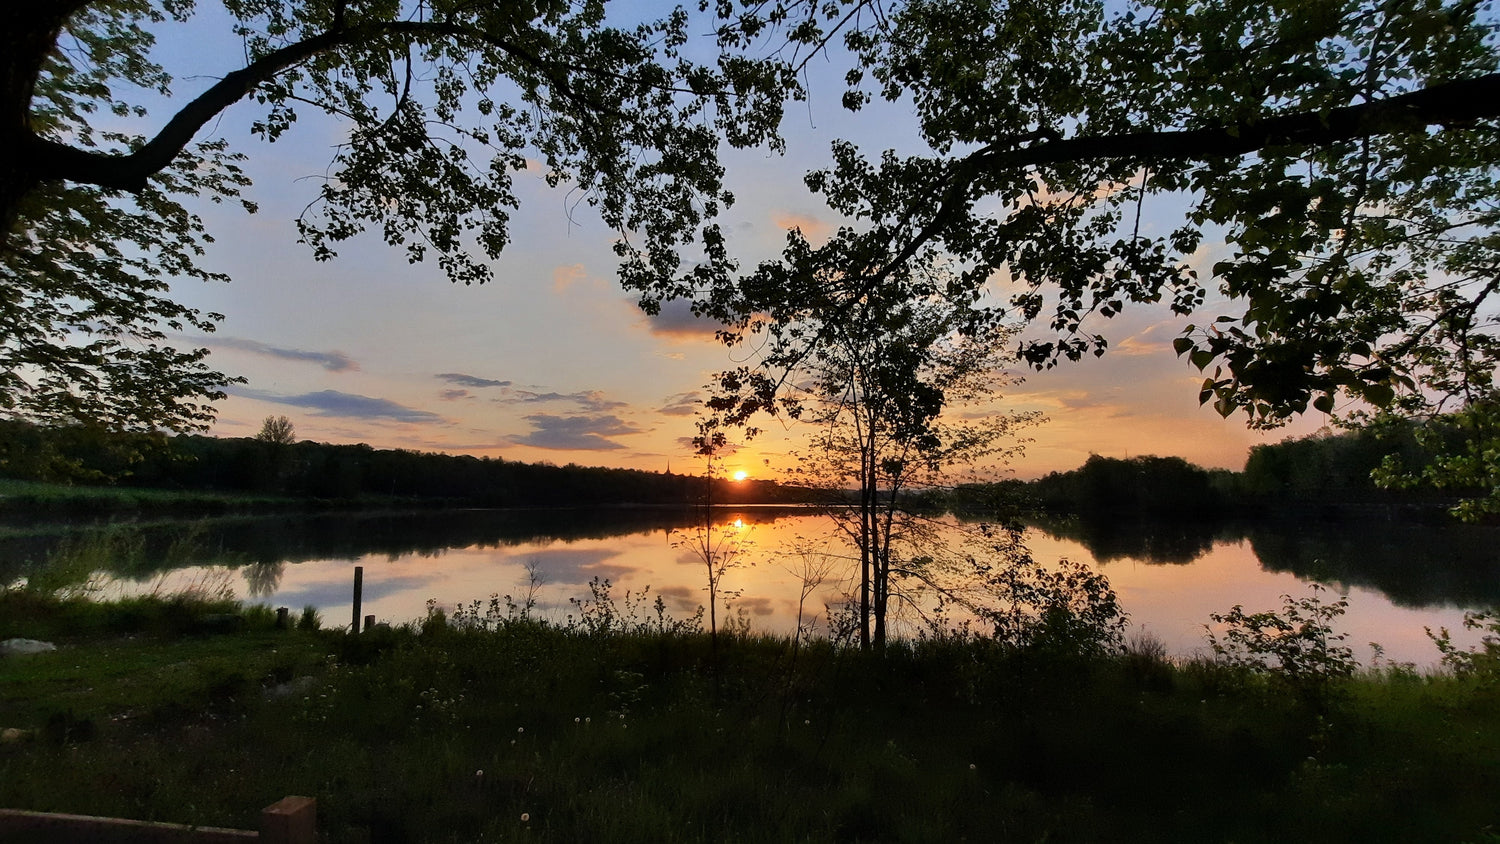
pixel 718 551
pixel 876 389
pixel 277 430
pixel 444 100
pixel 1344 151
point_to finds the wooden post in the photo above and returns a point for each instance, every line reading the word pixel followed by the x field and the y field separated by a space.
pixel 290 820
pixel 369 622
pixel 281 618
pixel 359 590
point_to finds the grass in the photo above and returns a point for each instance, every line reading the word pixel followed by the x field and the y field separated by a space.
pixel 528 731
pixel 36 498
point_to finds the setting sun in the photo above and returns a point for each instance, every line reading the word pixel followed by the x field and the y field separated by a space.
pixel 741 475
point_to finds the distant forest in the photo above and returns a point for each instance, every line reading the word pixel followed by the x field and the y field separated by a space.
pixel 345 472
pixel 1321 475
pixel 1324 475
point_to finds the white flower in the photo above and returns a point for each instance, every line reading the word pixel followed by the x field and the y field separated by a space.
pixel 525 817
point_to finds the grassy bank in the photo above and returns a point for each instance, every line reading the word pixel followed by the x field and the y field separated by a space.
pixel 626 730
pixel 38 500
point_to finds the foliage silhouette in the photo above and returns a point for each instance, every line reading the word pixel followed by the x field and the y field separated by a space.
pixel 444 102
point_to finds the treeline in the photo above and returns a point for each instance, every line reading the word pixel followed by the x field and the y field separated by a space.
pixel 1321 475
pixel 313 470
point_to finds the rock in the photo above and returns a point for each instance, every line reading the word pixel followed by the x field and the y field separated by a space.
pixel 20 647
pixel 14 735
pixel 299 686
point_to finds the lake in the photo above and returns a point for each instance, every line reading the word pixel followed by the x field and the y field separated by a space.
pixel 1399 577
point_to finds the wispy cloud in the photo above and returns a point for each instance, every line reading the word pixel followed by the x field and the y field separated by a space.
pixel 331 361
pixel 572 566
pixel 682 404
pixel 677 321
pixel 592 401
pixel 575 433
pixel 462 380
pixel 345 405
pixel 722 451
pixel 566 276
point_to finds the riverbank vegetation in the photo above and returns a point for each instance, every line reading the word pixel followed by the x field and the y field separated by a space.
pixel 622 724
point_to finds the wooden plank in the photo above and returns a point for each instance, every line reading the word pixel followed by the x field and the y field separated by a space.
pixel 17 825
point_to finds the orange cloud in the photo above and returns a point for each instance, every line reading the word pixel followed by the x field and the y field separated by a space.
pixel 815 230
pixel 566 276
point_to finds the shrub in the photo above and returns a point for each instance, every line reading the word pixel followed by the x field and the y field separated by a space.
pixel 1068 610
pixel 1298 644
pixel 1483 661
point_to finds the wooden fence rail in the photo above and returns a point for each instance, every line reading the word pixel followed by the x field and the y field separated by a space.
pixel 290 820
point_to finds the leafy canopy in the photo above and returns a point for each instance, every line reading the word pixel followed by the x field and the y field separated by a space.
pixel 1085 157
pixel 444 101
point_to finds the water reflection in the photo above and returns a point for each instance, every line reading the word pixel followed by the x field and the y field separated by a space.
pixel 1413 565
pixel 791 572
pixel 143 549
pixel 1149 541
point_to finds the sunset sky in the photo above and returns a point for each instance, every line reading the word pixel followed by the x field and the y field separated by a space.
pixel 553 361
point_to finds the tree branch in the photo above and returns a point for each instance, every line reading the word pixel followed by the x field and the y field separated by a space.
pixel 56 160
pixel 1463 101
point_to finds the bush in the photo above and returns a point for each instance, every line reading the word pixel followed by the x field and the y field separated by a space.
pixel 1482 662
pixel 1297 645
pixel 1068 610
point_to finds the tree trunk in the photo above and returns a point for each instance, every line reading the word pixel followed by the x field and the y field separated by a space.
pixel 28 33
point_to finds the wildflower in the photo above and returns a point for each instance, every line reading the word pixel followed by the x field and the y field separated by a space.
pixel 576 720
pixel 520 730
pixel 525 817
pixel 972 766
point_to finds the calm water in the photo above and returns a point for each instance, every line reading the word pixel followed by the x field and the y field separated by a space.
pixel 1399 578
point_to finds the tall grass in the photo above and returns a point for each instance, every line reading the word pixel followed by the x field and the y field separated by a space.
pixel 625 725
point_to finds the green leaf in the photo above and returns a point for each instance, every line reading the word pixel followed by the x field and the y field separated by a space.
pixel 1379 395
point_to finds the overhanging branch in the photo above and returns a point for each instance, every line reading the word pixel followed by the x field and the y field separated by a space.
pixel 1458 102
pixel 54 160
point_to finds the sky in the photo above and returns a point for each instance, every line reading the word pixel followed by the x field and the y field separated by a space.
pixel 552 361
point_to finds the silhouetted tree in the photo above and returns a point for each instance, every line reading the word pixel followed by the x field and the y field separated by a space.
pixel 277 430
